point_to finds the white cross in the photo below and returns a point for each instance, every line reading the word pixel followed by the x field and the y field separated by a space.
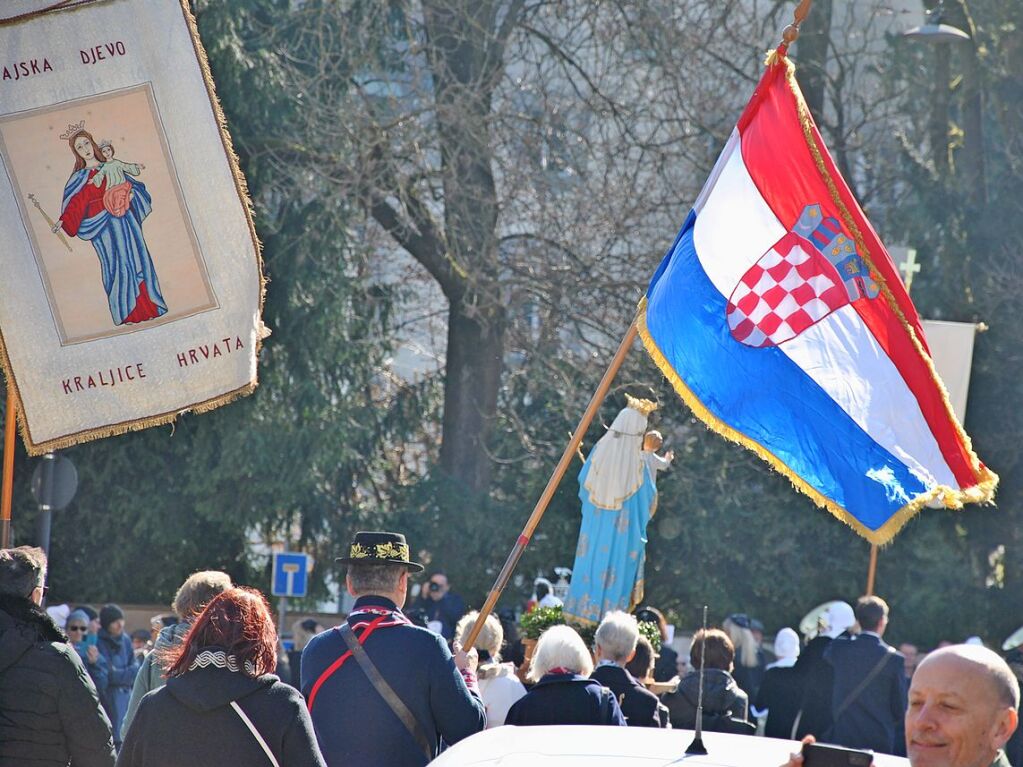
pixel 909 267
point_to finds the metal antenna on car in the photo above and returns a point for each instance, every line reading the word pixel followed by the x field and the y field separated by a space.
pixel 697 747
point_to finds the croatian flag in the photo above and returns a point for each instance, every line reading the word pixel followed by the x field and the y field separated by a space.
pixel 780 319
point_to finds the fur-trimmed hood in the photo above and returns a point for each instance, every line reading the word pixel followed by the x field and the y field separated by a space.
pixel 23 624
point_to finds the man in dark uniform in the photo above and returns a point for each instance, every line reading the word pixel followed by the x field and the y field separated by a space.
pixel 869 697
pixel 426 693
pixel 615 641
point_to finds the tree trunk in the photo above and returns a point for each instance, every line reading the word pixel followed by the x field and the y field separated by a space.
pixel 971 166
pixel 462 42
pixel 938 124
pixel 475 360
pixel 814 41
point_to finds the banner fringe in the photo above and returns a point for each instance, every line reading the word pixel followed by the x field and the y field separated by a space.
pixel 952 499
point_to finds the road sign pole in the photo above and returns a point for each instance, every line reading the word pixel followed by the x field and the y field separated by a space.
pixel 282 615
pixel 45 518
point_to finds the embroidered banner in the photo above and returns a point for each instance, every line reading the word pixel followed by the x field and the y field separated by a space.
pixel 132 284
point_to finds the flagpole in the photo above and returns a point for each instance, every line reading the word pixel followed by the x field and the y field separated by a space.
pixel 8 473
pixel 552 484
pixel 872 570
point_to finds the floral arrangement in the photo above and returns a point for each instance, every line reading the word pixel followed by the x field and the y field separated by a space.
pixel 652 632
pixel 538 620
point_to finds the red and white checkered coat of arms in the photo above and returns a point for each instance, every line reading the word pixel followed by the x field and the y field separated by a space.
pixel 805 276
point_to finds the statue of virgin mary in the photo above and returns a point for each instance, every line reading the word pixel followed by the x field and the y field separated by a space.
pixel 618 497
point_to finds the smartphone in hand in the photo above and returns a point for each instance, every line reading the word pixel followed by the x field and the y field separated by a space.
pixel 824 755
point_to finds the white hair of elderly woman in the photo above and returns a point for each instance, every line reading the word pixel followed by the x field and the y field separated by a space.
pixel 491 635
pixel 560 647
pixel 617 636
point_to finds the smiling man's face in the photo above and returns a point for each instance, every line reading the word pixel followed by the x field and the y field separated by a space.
pixel 956 717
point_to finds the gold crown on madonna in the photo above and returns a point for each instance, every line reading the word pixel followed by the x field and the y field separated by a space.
pixel 72 129
pixel 643 406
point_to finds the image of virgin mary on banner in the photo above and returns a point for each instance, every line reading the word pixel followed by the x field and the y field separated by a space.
pixel 619 497
pixel 103 205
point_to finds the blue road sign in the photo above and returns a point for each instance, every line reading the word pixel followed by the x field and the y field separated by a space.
pixel 290 576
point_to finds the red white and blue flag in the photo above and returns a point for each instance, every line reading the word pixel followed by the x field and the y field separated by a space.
pixel 780 319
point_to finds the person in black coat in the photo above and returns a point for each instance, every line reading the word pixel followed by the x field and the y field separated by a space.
pixel 725 706
pixel 780 692
pixel 441 605
pixel 616 640
pixel 222 703
pixel 869 697
pixel 563 694
pixel 354 723
pixel 816 676
pixel 49 711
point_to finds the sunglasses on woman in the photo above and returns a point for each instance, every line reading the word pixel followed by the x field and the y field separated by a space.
pixel 77 628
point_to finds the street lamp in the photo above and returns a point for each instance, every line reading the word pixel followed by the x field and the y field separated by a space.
pixel 933 31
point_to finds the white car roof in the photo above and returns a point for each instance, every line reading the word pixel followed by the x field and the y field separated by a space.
pixel 572 746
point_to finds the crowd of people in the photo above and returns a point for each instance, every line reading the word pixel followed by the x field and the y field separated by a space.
pixel 394 685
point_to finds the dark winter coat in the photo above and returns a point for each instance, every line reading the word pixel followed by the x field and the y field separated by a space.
pixel 871 719
pixel 781 694
pixel 123 666
pixel 749 677
pixel 817 680
pixel 354 724
pixel 566 699
pixel 190 721
pixel 724 704
pixel 447 610
pixel 666 665
pixel 49 710
pixel 638 704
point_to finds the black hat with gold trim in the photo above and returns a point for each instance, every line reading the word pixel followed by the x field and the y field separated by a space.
pixel 379 548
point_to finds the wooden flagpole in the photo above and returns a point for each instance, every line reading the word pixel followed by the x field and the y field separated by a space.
pixel 552 484
pixel 872 570
pixel 8 474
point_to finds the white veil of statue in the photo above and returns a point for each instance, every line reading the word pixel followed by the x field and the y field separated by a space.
pixel 616 461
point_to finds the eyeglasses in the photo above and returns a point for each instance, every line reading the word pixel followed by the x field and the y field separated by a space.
pixel 77 628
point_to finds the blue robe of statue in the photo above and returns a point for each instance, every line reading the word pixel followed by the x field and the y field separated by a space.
pixel 608 570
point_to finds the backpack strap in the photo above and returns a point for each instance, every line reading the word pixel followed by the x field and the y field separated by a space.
pixel 391 698
pixel 864 683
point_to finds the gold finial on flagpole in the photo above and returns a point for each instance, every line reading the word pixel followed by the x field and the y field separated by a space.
pixel 791 33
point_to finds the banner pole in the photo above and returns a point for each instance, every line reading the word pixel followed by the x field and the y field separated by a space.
pixel 872 570
pixel 552 484
pixel 8 474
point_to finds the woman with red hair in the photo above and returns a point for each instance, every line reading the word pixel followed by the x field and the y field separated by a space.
pixel 222 703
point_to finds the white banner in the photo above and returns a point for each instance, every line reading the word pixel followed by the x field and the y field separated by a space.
pixel 132 286
pixel 951 345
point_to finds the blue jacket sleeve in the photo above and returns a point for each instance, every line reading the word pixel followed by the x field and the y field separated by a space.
pixel 617 717
pixel 457 712
pixel 100 673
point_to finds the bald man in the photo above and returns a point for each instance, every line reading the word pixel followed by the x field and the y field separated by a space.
pixel 963 708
